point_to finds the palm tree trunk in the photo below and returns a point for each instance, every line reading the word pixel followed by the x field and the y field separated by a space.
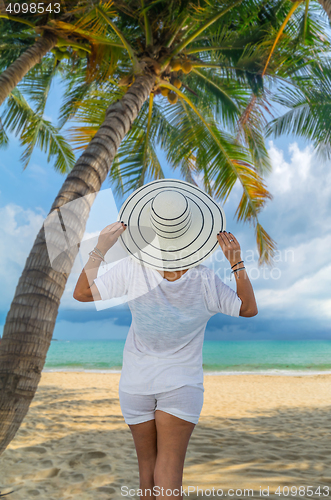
pixel 30 321
pixel 326 4
pixel 32 56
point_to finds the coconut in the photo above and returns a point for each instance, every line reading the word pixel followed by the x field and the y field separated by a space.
pixel 164 91
pixel 177 83
pixel 187 67
pixel 176 65
pixel 172 97
pixel 66 54
pixel 81 52
pixel 62 48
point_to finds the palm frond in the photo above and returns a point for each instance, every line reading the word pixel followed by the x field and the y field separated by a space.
pixel 147 25
pixel 226 94
pixel 100 9
pixel 90 112
pixel 137 161
pixel 20 20
pixel 266 245
pixel 208 22
pixel 309 114
pixel 42 134
pixel 176 139
pixel 251 129
pixel 93 21
pixel 37 83
pixel 76 91
pixel 4 140
pixel 102 62
pixel 71 30
pixel 13 46
pixel 34 131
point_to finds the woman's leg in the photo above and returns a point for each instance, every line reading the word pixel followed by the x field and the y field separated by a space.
pixel 173 435
pixel 144 437
pixel 138 411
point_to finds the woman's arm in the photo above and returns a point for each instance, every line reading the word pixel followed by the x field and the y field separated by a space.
pixel 86 290
pixel 232 252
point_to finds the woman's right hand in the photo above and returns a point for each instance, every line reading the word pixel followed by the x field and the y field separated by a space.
pixel 108 236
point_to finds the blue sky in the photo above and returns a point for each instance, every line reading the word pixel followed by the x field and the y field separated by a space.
pixel 293 298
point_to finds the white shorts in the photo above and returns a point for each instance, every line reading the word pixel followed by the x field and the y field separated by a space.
pixel 185 402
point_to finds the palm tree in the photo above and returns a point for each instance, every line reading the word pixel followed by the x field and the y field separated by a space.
pixel 221 55
pixel 306 94
pixel 16 71
pixel 21 65
pixel 55 26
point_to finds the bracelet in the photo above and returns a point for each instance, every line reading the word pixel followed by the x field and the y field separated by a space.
pixel 94 254
pixel 96 249
pixel 95 257
pixel 235 270
pixel 237 263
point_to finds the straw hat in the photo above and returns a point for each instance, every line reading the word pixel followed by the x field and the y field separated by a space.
pixel 171 225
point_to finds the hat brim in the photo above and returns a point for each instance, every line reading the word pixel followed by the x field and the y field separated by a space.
pixel 171 254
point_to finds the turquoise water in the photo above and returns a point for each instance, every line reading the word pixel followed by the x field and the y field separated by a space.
pixel 219 357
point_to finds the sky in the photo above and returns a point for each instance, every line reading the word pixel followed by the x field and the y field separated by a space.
pixel 293 297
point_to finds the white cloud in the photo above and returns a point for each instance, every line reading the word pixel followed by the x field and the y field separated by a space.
pixel 301 190
pixel 18 231
pixel 307 297
pixel 299 219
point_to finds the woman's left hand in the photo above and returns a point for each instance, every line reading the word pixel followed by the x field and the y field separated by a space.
pixel 230 247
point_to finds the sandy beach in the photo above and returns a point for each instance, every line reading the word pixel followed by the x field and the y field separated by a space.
pixel 255 432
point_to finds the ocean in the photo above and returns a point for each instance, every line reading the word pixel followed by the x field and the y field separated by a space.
pixel 308 357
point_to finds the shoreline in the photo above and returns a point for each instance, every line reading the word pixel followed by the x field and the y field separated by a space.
pixel 270 373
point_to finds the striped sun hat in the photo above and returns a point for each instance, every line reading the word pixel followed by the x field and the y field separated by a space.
pixel 171 225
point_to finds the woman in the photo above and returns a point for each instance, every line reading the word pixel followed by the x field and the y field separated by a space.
pixel 171 228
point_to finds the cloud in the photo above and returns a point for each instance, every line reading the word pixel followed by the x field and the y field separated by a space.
pixel 299 219
pixel 301 207
pixel 18 231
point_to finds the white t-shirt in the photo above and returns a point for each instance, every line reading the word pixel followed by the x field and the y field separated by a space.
pixel 163 349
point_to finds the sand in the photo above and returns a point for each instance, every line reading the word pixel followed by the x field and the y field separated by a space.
pixel 255 432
